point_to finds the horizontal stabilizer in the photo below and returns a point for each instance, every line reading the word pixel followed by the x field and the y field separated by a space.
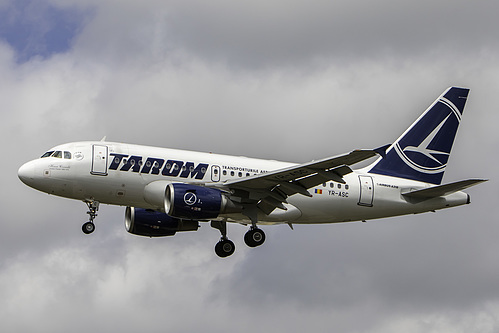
pixel 442 190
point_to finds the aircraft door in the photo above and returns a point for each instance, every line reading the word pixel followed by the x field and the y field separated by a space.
pixel 99 160
pixel 366 191
pixel 215 173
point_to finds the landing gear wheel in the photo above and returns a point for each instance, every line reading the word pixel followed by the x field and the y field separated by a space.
pixel 254 237
pixel 225 248
pixel 88 228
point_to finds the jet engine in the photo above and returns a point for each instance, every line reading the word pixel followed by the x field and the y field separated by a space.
pixel 150 223
pixel 196 202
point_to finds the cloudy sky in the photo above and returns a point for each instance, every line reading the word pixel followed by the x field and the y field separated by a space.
pixel 288 80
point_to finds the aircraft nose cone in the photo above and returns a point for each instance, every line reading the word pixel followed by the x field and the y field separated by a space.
pixel 26 173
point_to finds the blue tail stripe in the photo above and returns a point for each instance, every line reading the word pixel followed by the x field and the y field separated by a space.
pixel 422 152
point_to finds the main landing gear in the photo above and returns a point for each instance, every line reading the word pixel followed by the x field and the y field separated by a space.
pixel 93 207
pixel 254 237
pixel 225 247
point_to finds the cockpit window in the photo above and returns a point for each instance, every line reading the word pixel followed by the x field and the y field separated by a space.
pixel 58 154
pixel 47 154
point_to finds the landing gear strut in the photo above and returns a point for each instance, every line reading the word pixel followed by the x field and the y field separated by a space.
pixel 93 207
pixel 225 247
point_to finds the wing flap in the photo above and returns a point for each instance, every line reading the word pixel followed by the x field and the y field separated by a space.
pixel 442 190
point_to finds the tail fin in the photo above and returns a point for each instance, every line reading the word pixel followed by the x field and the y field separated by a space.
pixel 422 152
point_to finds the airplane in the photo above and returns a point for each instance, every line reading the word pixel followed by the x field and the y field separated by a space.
pixel 166 191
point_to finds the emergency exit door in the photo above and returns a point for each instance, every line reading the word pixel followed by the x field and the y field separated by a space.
pixel 99 160
pixel 366 191
pixel 215 173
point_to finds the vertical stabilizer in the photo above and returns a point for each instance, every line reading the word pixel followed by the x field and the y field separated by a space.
pixel 422 152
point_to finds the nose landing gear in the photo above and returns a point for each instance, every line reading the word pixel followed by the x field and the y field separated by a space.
pixel 93 207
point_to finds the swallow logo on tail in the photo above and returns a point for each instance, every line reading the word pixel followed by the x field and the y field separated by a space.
pixel 422 152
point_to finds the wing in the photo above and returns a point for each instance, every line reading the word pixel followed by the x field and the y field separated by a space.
pixel 270 190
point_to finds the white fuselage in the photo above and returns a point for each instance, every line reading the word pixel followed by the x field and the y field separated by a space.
pixel 118 174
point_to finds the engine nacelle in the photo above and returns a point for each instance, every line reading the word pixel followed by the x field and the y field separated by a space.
pixel 150 223
pixel 196 202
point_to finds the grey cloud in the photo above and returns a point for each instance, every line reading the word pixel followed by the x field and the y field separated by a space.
pixel 296 35
pixel 289 33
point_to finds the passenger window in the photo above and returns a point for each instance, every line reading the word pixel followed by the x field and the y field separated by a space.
pixel 47 154
pixel 339 185
pixel 57 154
pixel 346 187
pixel 67 155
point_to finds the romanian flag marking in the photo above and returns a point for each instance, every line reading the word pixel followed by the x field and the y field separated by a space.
pixel 318 191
